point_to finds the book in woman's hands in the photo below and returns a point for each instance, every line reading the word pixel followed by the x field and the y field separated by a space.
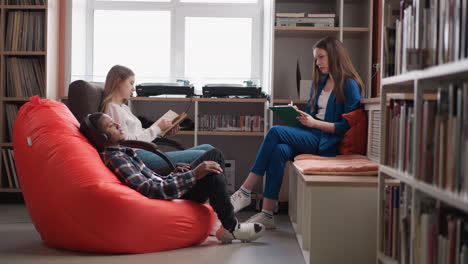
pixel 174 118
pixel 287 113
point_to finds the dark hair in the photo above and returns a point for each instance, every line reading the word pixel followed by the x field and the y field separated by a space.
pixel 339 65
pixel 91 129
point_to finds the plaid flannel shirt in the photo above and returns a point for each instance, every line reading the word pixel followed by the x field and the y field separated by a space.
pixel 131 170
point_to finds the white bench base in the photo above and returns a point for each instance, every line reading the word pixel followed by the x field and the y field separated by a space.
pixel 334 217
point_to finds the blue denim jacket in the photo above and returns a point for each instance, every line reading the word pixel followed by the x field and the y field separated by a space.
pixel 329 142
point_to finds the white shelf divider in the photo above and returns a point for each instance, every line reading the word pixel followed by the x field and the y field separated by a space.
pixel 449 70
pixel 446 196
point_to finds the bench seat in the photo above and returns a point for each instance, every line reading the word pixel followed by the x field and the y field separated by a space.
pixel 357 165
pixel 333 209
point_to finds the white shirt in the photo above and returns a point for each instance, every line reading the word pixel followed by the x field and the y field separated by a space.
pixel 322 104
pixel 131 125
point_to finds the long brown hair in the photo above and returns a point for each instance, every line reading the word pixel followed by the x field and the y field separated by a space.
pixel 115 76
pixel 339 66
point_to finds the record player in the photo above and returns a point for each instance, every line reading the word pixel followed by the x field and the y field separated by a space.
pixel 249 90
pixel 154 89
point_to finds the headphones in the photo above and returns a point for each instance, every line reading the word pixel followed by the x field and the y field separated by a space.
pixel 97 137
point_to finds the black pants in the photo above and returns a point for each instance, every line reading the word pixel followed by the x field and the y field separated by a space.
pixel 213 187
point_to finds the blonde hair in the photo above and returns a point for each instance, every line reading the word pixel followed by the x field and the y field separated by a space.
pixel 115 76
pixel 339 65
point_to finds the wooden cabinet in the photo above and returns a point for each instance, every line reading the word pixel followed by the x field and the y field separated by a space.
pixel 28 49
pixel 353 26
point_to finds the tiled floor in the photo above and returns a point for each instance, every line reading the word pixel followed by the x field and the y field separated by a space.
pixel 20 243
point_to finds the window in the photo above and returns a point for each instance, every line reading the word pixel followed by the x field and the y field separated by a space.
pixel 142 45
pixel 164 40
pixel 218 47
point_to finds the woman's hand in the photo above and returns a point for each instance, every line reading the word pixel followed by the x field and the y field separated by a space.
pixel 164 124
pixel 205 168
pixel 174 130
pixel 306 119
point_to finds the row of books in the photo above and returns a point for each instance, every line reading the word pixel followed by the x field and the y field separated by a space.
pixel 400 131
pixel 420 33
pixel 11 110
pixel 25 31
pixel 24 76
pixel 442 143
pixel 390 222
pixel 441 233
pixel 240 123
pixel 25 2
pixel 10 180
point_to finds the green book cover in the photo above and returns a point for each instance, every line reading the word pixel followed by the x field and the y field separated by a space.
pixel 288 114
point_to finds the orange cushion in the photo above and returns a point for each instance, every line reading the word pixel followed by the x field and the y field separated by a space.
pixel 339 165
pixel 355 139
pixel 77 203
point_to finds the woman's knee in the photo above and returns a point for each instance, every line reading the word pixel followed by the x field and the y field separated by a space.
pixel 283 152
pixel 214 179
pixel 275 131
pixel 214 154
pixel 205 147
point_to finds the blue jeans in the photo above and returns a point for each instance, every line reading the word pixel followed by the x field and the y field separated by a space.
pixel 282 144
pixel 153 161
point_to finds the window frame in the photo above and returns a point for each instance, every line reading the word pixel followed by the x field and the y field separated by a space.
pixel 179 11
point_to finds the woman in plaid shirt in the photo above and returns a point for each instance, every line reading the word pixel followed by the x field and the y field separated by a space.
pixel 205 181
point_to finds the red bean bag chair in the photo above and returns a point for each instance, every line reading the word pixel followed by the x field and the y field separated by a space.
pixel 77 203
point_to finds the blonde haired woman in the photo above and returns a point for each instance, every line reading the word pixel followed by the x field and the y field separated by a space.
pixel 118 88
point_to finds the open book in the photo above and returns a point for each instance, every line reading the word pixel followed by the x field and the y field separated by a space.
pixel 287 113
pixel 174 117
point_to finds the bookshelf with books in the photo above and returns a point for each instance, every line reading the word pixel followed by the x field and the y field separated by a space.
pixel 23 71
pixel 293 41
pixel 235 125
pixel 424 128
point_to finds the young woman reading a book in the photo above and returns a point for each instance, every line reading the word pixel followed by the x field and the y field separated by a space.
pixel 118 88
pixel 336 90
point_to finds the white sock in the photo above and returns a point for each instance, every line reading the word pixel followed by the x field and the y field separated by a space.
pixel 245 192
pixel 267 213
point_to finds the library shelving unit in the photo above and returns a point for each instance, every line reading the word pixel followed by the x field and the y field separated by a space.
pixel 353 26
pixel 215 112
pixel 424 128
pixel 23 60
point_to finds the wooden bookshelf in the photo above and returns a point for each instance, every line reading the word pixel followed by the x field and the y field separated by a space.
pixel 287 101
pixel 300 32
pixel 232 100
pixel 230 133
pixel 296 43
pixel 433 176
pixel 23 72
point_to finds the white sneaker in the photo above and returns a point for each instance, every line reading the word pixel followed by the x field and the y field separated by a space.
pixel 239 201
pixel 245 232
pixel 269 223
